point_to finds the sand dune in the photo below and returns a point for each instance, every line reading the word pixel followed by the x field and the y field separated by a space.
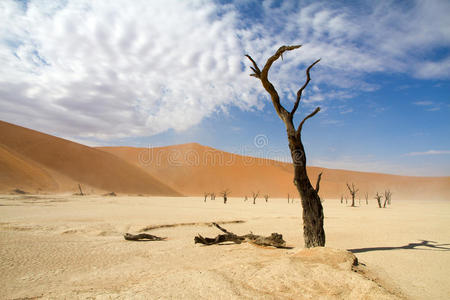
pixel 35 161
pixel 194 169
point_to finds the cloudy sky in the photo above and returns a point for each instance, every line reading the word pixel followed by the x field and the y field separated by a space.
pixel 150 73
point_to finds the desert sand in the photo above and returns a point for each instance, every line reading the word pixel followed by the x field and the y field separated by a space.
pixel 64 246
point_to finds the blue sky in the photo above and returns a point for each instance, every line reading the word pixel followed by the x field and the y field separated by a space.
pixel 152 73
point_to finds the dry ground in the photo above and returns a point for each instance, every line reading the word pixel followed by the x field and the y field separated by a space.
pixel 71 247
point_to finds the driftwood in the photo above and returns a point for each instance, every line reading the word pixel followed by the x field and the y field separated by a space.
pixel 274 240
pixel 142 237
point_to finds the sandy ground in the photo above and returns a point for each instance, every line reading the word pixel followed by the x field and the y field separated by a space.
pixel 72 247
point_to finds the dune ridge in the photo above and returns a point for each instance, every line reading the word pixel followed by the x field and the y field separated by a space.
pixel 194 169
pixel 34 161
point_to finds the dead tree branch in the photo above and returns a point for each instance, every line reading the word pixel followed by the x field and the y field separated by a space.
pixel 274 240
pixel 318 182
pixel 142 237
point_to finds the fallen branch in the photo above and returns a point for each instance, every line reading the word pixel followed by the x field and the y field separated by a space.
pixel 274 240
pixel 142 236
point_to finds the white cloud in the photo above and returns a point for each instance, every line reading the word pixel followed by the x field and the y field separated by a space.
pixel 110 69
pixel 119 68
pixel 429 152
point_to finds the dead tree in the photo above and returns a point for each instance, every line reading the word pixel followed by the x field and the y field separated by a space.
pixel 342 199
pixel 378 197
pixel 225 194
pixel 288 198
pixel 81 191
pixel 366 195
pixel 313 232
pixel 346 199
pixel 274 240
pixel 245 198
pixel 353 190
pixel 206 195
pixel 212 196
pixel 255 195
pixel 266 197
pixel 387 198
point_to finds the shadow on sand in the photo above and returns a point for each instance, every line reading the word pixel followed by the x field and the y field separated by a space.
pixel 424 244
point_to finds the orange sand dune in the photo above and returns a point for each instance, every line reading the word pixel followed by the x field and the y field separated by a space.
pixel 194 169
pixel 35 161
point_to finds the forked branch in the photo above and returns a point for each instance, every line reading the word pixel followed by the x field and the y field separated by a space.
pixel 268 86
pixel 300 91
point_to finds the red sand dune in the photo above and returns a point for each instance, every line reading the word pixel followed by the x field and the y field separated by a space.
pixel 194 169
pixel 34 161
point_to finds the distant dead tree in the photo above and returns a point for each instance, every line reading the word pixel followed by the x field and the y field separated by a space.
pixel 387 197
pixel 359 201
pixel 266 197
pixel 366 195
pixel 255 195
pixel 288 198
pixel 353 190
pixel 206 195
pixel 246 198
pixel 225 194
pixel 378 197
pixel 81 191
pixel 342 199
pixel 313 232
pixel 346 199
pixel 212 196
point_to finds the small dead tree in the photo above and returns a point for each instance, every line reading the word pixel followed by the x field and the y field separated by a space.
pixel 225 194
pixel 313 232
pixel 206 195
pixel 246 198
pixel 387 197
pixel 346 199
pixel 366 195
pixel 379 197
pixel 255 195
pixel 353 190
pixel 212 196
pixel 342 199
pixel 266 197
pixel 288 198
pixel 81 191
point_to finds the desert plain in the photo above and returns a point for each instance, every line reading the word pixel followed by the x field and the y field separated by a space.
pixel 64 246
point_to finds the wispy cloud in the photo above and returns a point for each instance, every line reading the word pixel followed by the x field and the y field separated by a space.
pixel 429 105
pixel 429 152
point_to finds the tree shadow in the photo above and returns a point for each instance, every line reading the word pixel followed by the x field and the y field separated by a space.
pixel 429 245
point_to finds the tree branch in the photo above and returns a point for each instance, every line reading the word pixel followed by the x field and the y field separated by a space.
pixel 318 182
pixel 300 91
pixel 268 86
pixel 255 68
pixel 307 117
